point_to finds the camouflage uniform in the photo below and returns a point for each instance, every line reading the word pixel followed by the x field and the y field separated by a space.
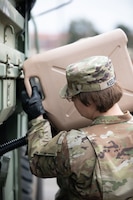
pixel 92 163
pixel 92 74
pixel 95 162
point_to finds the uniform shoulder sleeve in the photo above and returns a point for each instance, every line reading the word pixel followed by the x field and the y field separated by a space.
pixel 81 152
pixel 65 154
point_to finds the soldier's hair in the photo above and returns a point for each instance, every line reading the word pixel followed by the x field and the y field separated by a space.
pixel 103 99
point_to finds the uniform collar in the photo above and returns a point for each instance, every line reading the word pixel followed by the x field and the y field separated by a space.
pixel 112 119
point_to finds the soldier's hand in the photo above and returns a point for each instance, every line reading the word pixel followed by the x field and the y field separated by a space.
pixel 32 105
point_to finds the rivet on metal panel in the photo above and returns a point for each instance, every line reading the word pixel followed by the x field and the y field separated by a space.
pixel 5 30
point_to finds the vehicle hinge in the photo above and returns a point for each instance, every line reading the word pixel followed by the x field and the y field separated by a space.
pixel 13 71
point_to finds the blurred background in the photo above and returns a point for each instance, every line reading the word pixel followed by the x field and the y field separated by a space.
pixel 59 22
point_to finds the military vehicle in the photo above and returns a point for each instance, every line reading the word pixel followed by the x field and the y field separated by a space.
pixel 48 71
pixel 15 177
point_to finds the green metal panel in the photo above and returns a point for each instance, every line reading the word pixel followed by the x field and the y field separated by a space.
pixel 2 69
pixel 13 121
pixel 8 98
pixel 11 56
pixel 10 14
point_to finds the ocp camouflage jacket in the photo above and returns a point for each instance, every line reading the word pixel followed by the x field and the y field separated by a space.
pixel 94 163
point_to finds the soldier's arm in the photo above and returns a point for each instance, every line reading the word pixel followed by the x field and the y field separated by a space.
pixel 62 155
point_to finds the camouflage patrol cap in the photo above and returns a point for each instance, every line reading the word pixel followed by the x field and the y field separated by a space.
pixel 92 74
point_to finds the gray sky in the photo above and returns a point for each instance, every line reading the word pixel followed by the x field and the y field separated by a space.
pixel 104 14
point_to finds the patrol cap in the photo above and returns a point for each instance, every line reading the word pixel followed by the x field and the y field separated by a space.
pixel 91 74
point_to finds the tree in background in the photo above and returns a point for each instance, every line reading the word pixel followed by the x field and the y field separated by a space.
pixel 80 29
